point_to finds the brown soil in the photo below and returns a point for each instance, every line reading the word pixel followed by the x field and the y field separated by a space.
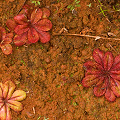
pixel 51 73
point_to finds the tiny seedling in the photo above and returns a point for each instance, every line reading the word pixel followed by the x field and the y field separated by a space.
pixel 102 11
pixel 57 86
pixel 45 118
pixel 74 5
pixel 22 62
pixel 39 117
pixel 89 5
pixel 35 2
pixel 75 103
pixel 116 9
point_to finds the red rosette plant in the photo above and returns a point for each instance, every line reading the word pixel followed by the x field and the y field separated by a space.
pixel 104 74
pixel 10 99
pixel 31 26
pixel 5 40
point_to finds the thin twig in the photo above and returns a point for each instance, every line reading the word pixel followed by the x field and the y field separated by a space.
pixel 82 35
pixel 113 48
pixel 33 110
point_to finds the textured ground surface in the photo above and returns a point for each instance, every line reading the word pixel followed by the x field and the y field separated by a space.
pixel 51 73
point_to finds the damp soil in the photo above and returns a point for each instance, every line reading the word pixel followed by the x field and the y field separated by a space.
pixel 51 73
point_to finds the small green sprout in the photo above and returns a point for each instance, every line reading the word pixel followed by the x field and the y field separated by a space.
pixel 102 11
pixel 116 116
pixel 39 117
pixel 80 85
pixel 33 72
pixel 17 48
pixel 89 5
pixel 116 9
pixel 22 62
pixel 74 5
pixel 75 103
pixel 71 75
pixel 41 47
pixel 40 68
pixel 45 118
pixel 57 86
pixel 35 2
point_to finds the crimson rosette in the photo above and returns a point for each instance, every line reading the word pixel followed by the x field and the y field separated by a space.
pixel 104 74
pixel 31 26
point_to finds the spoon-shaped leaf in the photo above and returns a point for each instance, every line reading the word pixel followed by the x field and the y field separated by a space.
pixel 18 95
pixel 15 105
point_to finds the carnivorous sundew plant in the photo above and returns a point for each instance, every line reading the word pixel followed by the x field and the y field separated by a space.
pixel 31 26
pixel 10 99
pixel 104 74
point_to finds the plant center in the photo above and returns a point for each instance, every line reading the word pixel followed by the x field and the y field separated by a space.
pixel 4 100
pixel 30 24
pixel 105 73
